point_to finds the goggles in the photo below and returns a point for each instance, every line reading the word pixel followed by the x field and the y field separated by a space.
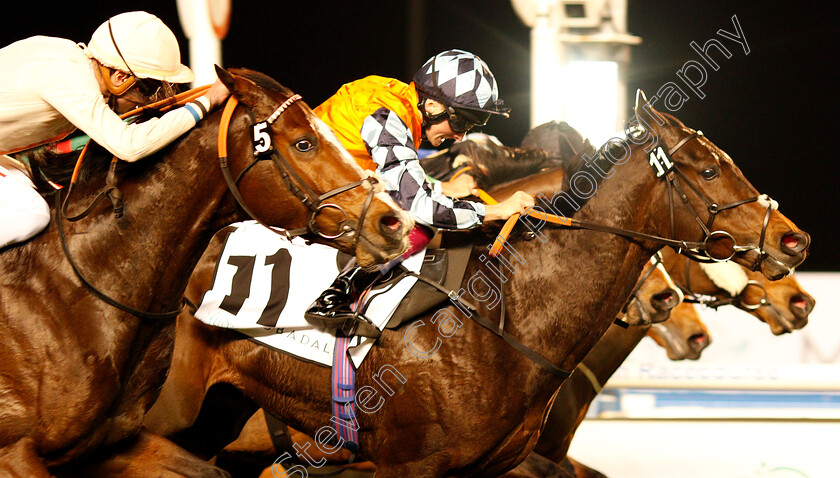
pixel 462 120
pixel 149 87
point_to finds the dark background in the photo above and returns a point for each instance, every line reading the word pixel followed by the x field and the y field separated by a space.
pixel 773 110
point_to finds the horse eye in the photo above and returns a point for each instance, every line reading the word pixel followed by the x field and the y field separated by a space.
pixel 304 145
pixel 709 173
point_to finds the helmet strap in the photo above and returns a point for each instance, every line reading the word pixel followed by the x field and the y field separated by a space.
pixel 431 119
pixel 118 90
pixel 116 47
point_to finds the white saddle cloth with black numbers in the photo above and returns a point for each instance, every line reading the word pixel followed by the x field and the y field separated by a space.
pixel 264 282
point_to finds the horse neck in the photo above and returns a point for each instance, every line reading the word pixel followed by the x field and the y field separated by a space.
pixel 611 351
pixel 575 396
pixel 591 272
pixel 172 209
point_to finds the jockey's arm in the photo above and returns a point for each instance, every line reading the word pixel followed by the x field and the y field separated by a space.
pixel 75 94
pixel 405 180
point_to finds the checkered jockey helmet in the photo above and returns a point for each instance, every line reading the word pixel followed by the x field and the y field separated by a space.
pixel 461 80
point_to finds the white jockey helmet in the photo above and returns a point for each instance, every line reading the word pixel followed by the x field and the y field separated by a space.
pixel 139 43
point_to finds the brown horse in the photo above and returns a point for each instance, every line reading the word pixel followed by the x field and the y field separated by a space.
pixel 782 304
pixel 454 399
pixel 685 336
pixel 576 394
pixel 654 297
pixel 78 374
pixel 254 445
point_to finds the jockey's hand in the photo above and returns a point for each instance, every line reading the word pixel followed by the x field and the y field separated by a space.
pixel 217 94
pixel 462 186
pixel 516 204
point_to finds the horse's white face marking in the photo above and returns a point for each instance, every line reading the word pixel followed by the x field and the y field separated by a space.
pixel 329 136
pixel 728 275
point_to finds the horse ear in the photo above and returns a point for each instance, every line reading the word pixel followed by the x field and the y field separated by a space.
pixel 242 88
pixel 641 100
pixel 645 114
pixel 226 77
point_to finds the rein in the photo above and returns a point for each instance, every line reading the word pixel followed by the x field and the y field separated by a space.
pixel 498 329
pixel 691 249
pixel 114 194
pixel 656 260
pixel 590 375
pixel 111 191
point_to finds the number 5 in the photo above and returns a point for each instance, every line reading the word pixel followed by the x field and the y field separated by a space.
pixel 262 140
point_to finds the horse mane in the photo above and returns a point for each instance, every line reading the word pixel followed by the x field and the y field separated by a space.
pixel 559 139
pixel 495 164
pixel 48 164
pixel 589 163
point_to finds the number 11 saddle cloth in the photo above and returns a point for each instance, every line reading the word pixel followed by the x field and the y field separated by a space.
pixel 264 282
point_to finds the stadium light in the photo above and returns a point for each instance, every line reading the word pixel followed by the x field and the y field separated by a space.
pixel 579 53
pixel 591 102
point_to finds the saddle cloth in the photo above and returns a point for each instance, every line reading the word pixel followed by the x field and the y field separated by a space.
pixel 264 282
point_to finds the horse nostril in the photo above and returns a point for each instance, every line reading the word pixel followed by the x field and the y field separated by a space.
pixel 801 305
pixel 699 341
pixel 391 223
pixel 794 243
pixel 665 300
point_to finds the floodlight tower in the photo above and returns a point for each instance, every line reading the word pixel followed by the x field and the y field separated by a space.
pixel 205 24
pixel 580 50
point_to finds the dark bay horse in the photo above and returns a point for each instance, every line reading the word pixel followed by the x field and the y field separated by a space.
pixel 255 446
pixel 683 336
pixel 455 400
pixel 576 394
pixel 78 374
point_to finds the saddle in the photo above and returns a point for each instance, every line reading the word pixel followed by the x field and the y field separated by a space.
pixel 443 266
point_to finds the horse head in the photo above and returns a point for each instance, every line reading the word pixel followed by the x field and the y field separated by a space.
pixel 291 148
pixel 782 304
pixel 683 335
pixel 710 196
pixel 654 297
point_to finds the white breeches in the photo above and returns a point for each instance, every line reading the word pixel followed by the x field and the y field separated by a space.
pixel 23 212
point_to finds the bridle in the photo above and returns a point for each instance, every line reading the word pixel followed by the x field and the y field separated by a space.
pixel 299 187
pixel 674 177
pixel 714 302
pixel 264 150
pixel 656 263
